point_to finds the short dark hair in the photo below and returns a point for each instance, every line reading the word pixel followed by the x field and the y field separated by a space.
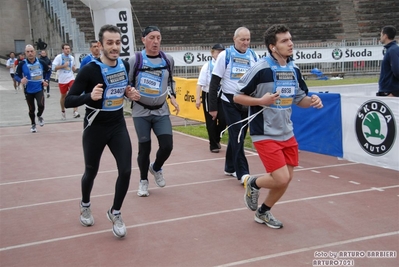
pixel 65 44
pixel 107 28
pixel 271 32
pixel 390 31
pixel 93 42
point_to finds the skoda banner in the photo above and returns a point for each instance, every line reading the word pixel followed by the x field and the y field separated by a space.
pixel 118 13
pixel 308 55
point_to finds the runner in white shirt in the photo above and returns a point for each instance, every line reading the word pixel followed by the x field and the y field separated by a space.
pixel 64 64
pixel 10 65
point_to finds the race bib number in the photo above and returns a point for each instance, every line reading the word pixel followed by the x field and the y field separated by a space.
pixel 147 82
pixel 115 92
pixel 35 73
pixel 286 90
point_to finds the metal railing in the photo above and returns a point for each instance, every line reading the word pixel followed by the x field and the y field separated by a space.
pixel 66 25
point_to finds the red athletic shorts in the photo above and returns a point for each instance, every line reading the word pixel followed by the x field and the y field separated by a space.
pixel 64 87
pixel 276 154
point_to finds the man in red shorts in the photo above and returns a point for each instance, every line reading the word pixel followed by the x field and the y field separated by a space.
pixel 64 64
pixel 270 88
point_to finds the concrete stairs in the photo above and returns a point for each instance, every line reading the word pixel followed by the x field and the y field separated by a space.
pixel 203 23
pixel 372 15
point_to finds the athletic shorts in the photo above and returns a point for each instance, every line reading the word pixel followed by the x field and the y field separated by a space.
pixel 161 125
pixel 276 154
pixel 12 75
pixel 64 87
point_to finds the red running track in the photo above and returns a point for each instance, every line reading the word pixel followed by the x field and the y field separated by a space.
pixel 199 219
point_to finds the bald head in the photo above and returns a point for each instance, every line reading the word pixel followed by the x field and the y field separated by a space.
pixel 30 52
pixel 242 38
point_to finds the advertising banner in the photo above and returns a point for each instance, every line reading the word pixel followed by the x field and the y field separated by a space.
pixel 310 55
pixel 185 97
pixel 118 13
pixel 370 130
pixel 357 128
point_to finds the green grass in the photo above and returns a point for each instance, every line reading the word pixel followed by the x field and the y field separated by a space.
pixel 358 80
pixel 200 130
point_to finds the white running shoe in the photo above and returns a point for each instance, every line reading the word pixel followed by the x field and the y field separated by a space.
pixel 41 121
pixel 86 219
pixel 143 189
pixel 76 114
pixel 159 180
pixel 118 228
pixel 33 128
pixel 63 116
pixel 230 174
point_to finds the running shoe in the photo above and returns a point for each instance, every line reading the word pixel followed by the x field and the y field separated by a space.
pixel 63 116
pixel 33 128
pixel 268 219
pixel 76 114
pixel 41 121
pixel 230 174
pixel 143 189
pixel 251 194
pixel 86 219
pixel 244 178
pixel 118 228
pixel 159 180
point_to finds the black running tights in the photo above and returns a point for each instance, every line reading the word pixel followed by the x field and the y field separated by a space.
pixel 116 137
pixel 30 100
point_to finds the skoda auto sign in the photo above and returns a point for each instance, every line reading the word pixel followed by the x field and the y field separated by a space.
pixel 375 127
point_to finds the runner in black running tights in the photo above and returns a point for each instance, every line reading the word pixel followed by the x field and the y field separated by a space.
pixel 104 83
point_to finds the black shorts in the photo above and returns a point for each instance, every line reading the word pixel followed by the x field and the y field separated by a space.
pixel 12 75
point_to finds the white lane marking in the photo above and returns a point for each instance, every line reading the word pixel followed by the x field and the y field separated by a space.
pixel 333 176
pixel 353 182
pixel 315 171
pixel 216 213
pixel 168 164
pixel 378 189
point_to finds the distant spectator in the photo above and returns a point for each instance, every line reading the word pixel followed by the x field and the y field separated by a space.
pixel 40 44
pixel 389 77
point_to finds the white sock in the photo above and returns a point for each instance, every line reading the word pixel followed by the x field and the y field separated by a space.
pixel 85 204
pixel 116 212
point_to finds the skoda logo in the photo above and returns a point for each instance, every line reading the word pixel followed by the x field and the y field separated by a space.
pixel 375 128
pixel 81 57
pixel 337 54
pixel 189 57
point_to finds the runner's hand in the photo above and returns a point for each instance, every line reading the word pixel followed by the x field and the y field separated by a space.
pixel 97 92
